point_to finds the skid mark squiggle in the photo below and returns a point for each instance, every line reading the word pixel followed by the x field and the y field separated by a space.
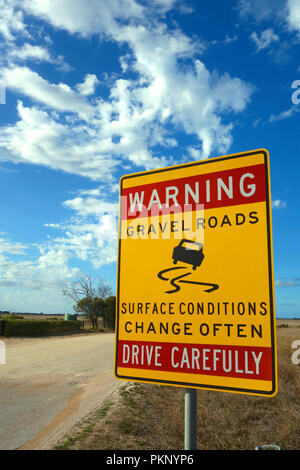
pixel 174 281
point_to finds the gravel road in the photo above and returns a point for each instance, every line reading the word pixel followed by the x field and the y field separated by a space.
pixel 49 384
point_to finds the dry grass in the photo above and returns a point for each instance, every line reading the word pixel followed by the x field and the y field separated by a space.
pixel 150 417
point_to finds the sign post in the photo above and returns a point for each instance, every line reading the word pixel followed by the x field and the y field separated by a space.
pixel 195 290
pixel 190 419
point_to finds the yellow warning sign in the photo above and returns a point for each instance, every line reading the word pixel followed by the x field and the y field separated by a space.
pixel 195 300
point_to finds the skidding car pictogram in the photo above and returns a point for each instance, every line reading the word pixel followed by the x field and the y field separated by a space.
pixel 191 254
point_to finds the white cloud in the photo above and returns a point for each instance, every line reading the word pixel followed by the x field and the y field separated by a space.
pixel 139 113
pixel 30 52
pixel 192 99
pixel 215 42
pixel 11 21
pixel 89 205
pixel 257 122
pixel 278 204
pixel 85 18
pixel 89 85
pixel 90 192
pixel 285 13
pixel 56 96
pixel 294 14
pixel 266 38
pixel 39 138
pixel 48 271
pixel 229 39
pixel 292 283
pixel 284 114
pixel 262 10
pixel 195 153
pixel 167 4
pixel 91 234
pixel 8 247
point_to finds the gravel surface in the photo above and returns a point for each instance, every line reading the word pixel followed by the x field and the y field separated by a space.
pixel 49 384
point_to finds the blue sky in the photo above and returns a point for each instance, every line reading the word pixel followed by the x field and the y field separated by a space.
pixel 96 89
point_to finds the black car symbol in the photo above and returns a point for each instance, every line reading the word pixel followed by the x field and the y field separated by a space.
pixel 191 254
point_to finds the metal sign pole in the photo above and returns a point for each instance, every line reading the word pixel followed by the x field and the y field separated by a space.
pixel 190 419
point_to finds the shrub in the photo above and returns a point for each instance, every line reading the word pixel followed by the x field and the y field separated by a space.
pixel 39 327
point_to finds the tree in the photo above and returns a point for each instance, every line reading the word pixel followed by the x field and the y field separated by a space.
pixel 92 308
pixel 89 296
pixel 110 312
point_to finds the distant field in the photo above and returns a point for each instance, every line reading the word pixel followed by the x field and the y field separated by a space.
pixel 36 316
pixel 292 331
pixel 293 323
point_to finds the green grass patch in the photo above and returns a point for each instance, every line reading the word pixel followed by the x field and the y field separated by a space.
pixel 86 428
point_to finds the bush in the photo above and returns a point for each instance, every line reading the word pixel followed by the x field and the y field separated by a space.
pixel 39 327
pixel 109 313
